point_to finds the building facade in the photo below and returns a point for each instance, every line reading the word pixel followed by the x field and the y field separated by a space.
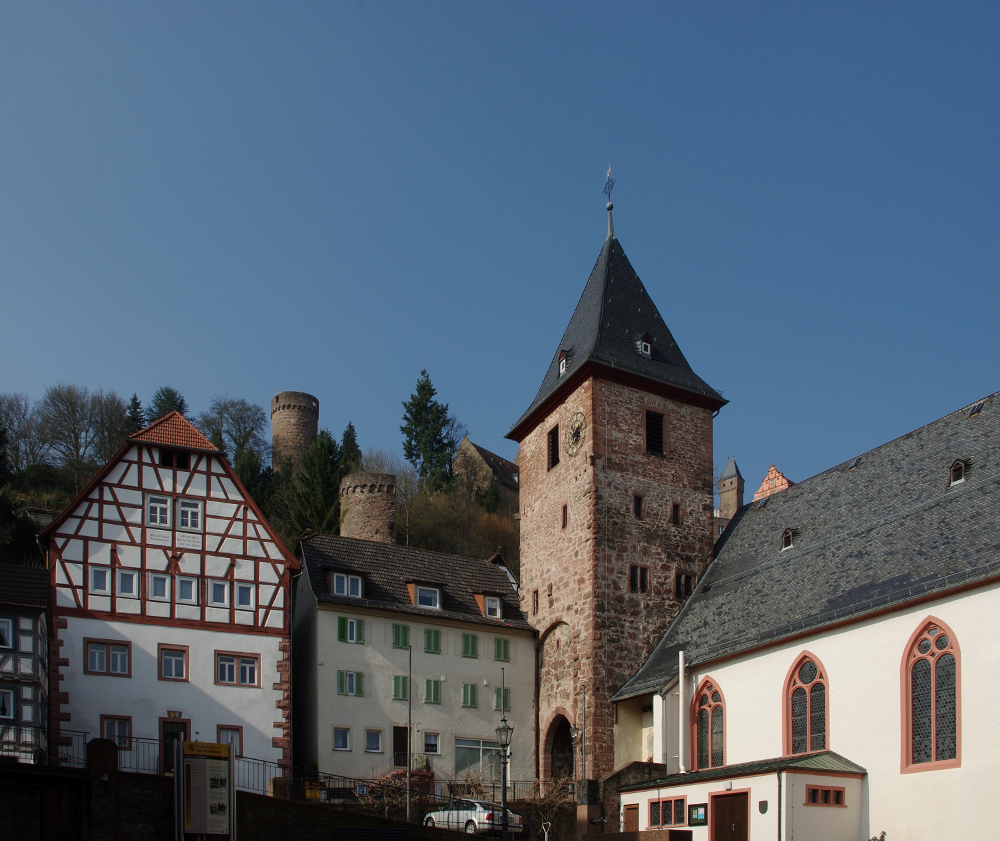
pixel 386 635
pixel 842 641
pixel 171 603
pixel 616 515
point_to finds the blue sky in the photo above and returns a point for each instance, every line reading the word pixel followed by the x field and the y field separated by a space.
pixel 247 198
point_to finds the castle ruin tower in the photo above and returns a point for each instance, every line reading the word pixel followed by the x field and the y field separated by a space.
pixel 730 490
pixel 294 426
pixel 616 499
pixel 368 507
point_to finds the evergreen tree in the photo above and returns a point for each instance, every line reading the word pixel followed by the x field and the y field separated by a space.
pixel 136 414
pixel 350 452
pixel 430 437
pixel 316 503
pixel 165 401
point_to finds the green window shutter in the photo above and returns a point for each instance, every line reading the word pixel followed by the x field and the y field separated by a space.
pixel 465 694
pixel 432 691
pixel 341 683
pixel 342 628
pixel 432 641
pixel 359 684
pixel 400 687
pixel 496 698
pixel 400 636
pixel 506 700
pixel 474 695
pixel 501 649
pixel 360 635
pixel 470 692
pixel 470 645
pixel 395 687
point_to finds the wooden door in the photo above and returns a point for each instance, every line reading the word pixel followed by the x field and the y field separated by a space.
pixel 731 817
pixel 171 732
pixel 631 819
pixel 400 740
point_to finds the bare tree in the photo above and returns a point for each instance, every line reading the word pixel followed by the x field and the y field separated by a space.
pixel 111 424
pixel 66 424
pixel 235 425
pixel 24 443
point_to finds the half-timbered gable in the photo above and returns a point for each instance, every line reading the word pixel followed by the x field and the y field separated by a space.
pixel 165 574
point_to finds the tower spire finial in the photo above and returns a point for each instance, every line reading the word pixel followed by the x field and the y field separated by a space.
pixel 608 187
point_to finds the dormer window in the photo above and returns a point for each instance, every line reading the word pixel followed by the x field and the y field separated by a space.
pixel 429 597
pixel 492 608
pixel 347 585
pixel 958 471
pixel 562 362
pixel 787 539
pixel 645 346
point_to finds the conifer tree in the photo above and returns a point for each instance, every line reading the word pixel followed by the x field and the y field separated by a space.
pixel 350 452
pixel 166 400
pixel 429 436
pixel 136 414
pixel 316 502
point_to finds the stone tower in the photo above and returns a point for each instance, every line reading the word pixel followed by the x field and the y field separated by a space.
pixel 730 491
pixel 294 426
pixel 368 507
pixel 615 457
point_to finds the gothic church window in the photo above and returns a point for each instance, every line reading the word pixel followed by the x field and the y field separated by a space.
pixel 709 726
pixel 806 706
pixel 930 706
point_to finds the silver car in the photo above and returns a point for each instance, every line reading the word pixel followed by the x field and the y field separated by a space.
pixel 476 817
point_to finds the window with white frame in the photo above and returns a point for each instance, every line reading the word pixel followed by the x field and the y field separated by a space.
pixel 236 669
pixel 350 630
pixel 189 515
pixel 432 743
pixel 128 583
pixel 159 587
pixel 493 607
pixel 6 633
pixel 218 593
pixel 232 736
pixel 100 580
pixel 104 657
pixel 173 663
pixel 341 738
pixel 158 511
pixel 477 753
pixel 118 730
pixel 429 597
pixel 351 683
pixel 373 741
pixel 187 590
pixel 244 595
pixel 6 704
pixel 347 585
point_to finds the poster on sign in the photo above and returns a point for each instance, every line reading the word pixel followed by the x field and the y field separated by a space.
pixel 205 791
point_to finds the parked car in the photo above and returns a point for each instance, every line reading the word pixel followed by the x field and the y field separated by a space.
pixel 476 817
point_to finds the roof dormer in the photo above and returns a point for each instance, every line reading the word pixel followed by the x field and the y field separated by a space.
pixel 491 606
pixel 345 584
pixel 424 595
pixel 564 359
pixel 644 344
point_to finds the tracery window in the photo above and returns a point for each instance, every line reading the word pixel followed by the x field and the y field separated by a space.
pixel 806 706
pixel 931 704
pixel 709 726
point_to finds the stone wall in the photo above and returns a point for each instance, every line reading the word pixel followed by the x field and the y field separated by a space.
pixel 294 426
pixel 368 507
pixel 593 631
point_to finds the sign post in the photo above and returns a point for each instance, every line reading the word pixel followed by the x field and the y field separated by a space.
pixel 204 792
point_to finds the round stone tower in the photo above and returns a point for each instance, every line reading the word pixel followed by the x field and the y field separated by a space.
pixel 294 425
pixel 368 507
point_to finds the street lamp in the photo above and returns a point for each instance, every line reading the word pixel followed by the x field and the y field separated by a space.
pixel 504 732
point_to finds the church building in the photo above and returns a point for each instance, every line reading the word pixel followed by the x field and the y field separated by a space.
pixel 616 515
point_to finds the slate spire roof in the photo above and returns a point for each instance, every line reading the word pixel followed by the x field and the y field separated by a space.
pixel 614 313
pixel 882 530
pixel 732 470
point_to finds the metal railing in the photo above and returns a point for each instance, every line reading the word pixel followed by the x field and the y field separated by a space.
pixel 31 745
pixel 421 762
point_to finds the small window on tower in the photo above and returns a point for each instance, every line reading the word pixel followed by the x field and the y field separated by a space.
pixel 683 585
pixel 637 503
pixel 675 514
pixel 565 516
pixel 534 603
pixel 654 433
pixel 638 579
pixel 553 446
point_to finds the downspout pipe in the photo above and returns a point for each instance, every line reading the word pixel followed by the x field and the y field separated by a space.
pixel 779 803
pixel 681 712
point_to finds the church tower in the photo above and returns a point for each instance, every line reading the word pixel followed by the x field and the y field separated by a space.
pixel 615 457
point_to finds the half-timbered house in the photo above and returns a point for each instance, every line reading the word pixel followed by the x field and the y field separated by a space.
pixel 171 603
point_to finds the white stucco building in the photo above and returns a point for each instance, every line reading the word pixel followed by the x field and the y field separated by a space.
pixel 361 608
pixel 830 678
pixel 171 605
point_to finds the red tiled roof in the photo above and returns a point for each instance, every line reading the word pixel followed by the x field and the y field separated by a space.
pixel 174 430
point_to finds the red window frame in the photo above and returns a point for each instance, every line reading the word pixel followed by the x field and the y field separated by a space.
pixel 911 655
pixel 238 655
pixel 673 811
pixel 708 686
pixel 794 683
pixel 88 641
pixel 826 796
pixel 183 649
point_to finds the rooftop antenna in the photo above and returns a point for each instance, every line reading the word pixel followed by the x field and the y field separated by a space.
pixel 608 187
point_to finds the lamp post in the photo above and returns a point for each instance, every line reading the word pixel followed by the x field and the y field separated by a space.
pixel 504 732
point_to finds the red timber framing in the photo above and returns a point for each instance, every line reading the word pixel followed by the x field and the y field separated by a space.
pixel 105 530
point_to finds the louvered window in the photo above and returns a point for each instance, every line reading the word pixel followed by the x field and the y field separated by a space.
pixel 553 447
pixel 654 433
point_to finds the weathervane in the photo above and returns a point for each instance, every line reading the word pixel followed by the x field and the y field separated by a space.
pixel 610 185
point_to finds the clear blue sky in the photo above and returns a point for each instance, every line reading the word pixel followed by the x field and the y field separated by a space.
pixel 244 198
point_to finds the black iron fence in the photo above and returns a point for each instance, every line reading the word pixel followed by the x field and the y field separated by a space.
pixel 32 745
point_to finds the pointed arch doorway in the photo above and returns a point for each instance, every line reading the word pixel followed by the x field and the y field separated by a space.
pixel 559 750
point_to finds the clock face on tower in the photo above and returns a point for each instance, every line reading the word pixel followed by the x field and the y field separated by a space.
pixel 576 433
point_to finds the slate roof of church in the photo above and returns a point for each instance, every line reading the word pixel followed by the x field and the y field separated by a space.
pixel 23 586
pixel 820 763
pixel 612 315
pixel 884 532
pixel 386 568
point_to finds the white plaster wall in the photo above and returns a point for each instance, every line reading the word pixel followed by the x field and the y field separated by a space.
pixel 379 661
pixel 146 698
pixel 864 707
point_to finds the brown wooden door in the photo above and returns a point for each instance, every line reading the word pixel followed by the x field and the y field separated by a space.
pixel 731 817
pixel 631 819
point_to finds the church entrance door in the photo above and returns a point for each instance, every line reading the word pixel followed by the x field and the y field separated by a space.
pixel 730 817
